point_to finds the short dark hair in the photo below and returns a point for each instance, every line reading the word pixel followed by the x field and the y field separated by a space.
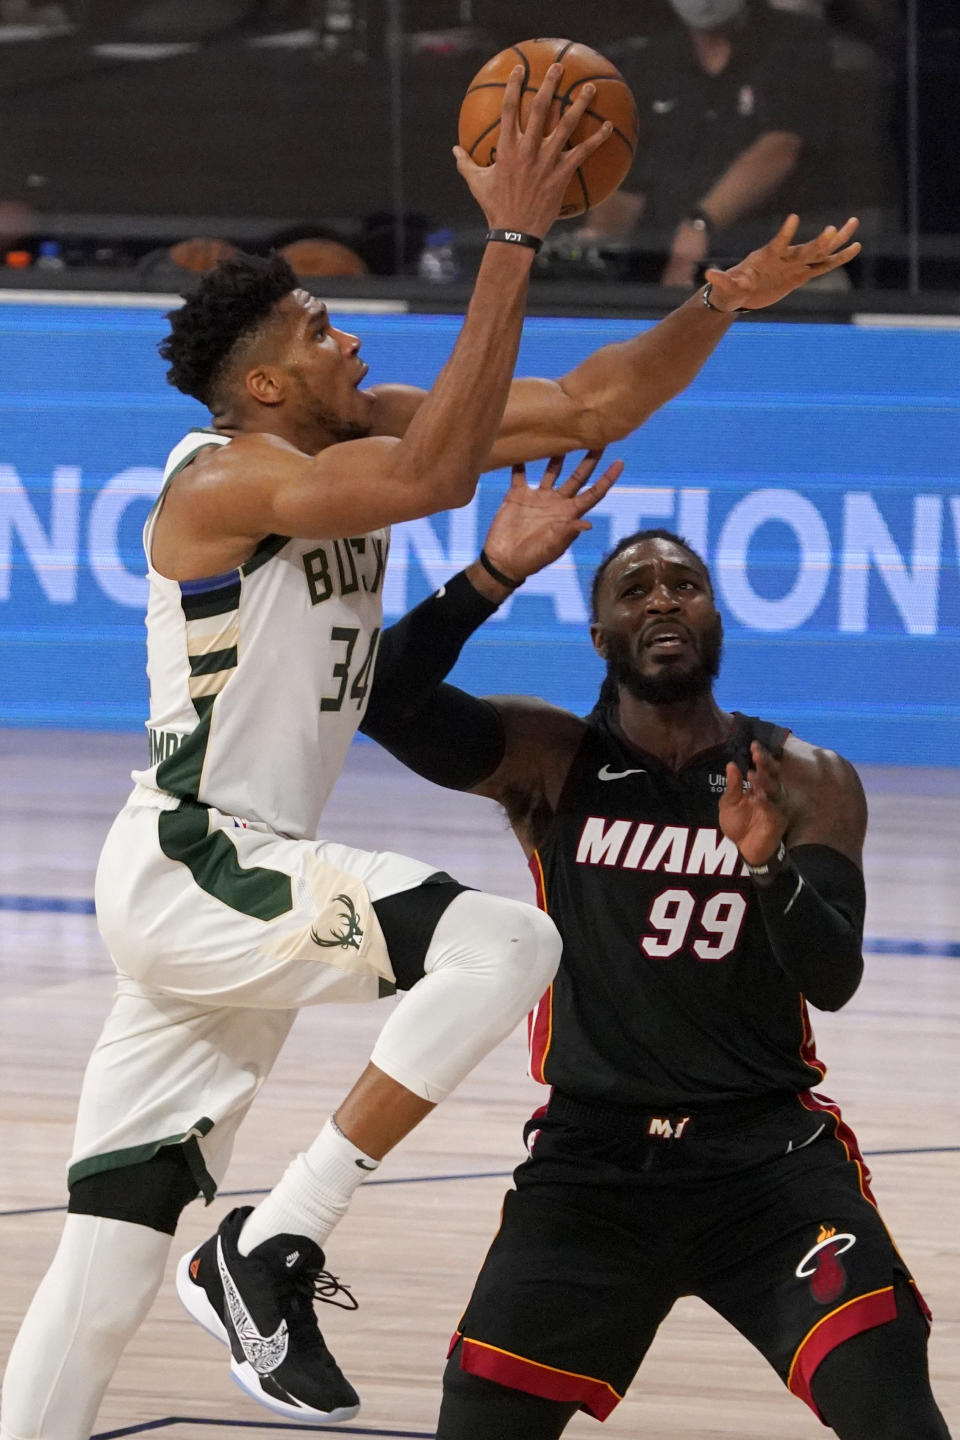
pixel 635 539
pixel 229 305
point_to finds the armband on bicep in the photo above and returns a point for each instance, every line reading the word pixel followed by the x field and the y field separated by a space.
pixel 422 647
pixel 442 733
pixel 454 739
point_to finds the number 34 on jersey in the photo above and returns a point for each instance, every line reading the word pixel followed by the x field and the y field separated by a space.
pixel 347 567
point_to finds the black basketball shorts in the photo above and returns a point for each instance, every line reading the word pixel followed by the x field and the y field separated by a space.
pixel 764 1212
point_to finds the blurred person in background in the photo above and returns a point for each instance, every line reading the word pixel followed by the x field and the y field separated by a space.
pixel 875 22
pixel 737 98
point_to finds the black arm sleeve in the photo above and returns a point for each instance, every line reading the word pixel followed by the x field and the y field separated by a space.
pixel 813 911
pixel 442 733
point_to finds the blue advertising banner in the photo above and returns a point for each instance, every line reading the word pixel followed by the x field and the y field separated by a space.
pixel 816 468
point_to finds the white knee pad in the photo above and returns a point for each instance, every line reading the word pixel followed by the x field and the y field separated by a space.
pixel 99 1287
pixel 489 962
pixel 515 947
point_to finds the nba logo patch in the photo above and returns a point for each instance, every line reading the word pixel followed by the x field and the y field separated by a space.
pixel 746 101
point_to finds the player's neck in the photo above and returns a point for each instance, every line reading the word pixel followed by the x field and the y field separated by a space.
pixel 676 732
pixel 308 437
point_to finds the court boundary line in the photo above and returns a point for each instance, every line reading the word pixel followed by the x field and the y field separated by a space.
pixel 872 944
pixel 332 1429
pixel 380 1180
pixel 443 1179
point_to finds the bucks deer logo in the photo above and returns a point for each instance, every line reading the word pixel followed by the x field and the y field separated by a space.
pixel 349 936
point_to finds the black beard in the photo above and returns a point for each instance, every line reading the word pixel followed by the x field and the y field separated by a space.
pixel 672 682
pixel 329 421
pixel 342 429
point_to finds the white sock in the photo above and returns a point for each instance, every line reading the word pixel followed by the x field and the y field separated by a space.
pixel 99 1287
pixel 489 962
pixel 313 1194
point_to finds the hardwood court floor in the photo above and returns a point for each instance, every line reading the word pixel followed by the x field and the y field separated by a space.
pixel 416 1234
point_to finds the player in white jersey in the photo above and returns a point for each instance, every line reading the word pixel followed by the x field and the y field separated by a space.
pixel 222 912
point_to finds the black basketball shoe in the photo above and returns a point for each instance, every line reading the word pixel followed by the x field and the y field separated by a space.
pixel 261 1305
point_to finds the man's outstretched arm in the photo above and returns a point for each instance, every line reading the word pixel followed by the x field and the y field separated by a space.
pixel 618 387
pixel 444 734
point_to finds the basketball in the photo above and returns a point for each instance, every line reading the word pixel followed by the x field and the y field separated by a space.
pixel 602 172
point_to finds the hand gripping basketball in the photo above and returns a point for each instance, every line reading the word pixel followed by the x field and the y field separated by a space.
pixel 524 187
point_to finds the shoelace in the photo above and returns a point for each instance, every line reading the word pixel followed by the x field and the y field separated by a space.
pixel 314 1284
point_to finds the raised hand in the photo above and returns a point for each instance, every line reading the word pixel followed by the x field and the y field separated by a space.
pixel 755 819
pixel 779 267
pixel 524 187
pixel 535 524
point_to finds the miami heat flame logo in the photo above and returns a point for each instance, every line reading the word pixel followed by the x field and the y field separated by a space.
pixel 822 1266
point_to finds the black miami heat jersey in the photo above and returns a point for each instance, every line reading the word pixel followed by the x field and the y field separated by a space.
pixel 668 993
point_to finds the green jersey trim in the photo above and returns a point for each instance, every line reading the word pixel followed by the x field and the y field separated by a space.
pixel 192 455
pixel 180 773
pixel 269 546
pixel 213 661
pixel 214 864
pixel 138 1154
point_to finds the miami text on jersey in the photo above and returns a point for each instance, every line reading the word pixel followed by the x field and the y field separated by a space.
pixel 676 849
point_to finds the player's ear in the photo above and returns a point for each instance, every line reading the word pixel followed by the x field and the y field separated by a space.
pixel 599 638
pixel 264 383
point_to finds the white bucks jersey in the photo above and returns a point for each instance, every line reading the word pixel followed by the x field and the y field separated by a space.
pixel 259 677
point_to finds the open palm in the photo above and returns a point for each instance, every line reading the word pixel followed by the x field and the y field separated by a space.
pixel 754 814
pixel 779 267
pixel 535 524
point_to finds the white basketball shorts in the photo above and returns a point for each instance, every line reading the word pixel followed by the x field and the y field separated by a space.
pixel 219 931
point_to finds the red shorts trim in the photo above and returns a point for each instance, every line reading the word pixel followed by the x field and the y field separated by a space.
pixel 540 1019
pixel 822 1104
pixel 519 1373
pixel 861 1313
pixel 540 1035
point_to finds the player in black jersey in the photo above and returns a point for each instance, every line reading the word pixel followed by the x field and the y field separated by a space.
pixel 704 871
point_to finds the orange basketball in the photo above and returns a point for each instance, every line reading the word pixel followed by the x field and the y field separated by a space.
pixel 604 170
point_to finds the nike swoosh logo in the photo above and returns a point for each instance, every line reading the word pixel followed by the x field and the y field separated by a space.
pixel 804 1143
pixel 607 774
pixel 364 1166
pixel 264 1352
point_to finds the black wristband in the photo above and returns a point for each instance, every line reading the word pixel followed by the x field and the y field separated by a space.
pixel 773 865
pixel 707 291
pixel 498 575
pixel 514 237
